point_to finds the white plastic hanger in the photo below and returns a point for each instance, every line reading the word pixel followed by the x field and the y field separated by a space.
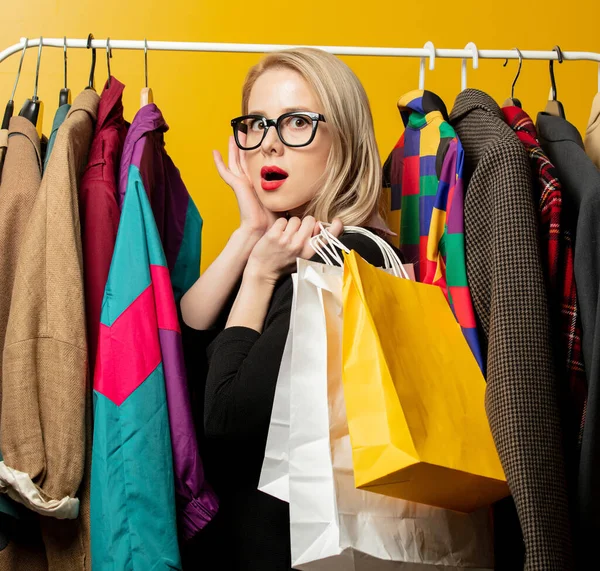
pixel 463 76
pixel 428 46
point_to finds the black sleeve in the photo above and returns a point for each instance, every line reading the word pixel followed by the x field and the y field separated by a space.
pixel 244 364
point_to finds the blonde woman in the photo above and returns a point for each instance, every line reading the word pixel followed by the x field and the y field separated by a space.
pixel 303 151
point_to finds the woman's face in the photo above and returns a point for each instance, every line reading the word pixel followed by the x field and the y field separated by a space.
pixel 275 92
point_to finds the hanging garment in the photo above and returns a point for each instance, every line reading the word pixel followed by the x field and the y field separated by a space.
pixel 509 294
pixel 59 117
pixel 133 496
pixel 424 173
pixel 98 205
pixel 21 178
pixel 180 228
pixel 3 147
pixel 557 255
pixel 132 386
pixel 581 198
pixel 43 430
pixel 592 134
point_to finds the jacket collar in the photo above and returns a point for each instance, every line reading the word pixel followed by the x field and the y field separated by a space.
pixel 423 102
pixel 147 119
pixel 110 108
pixel 519 120
pixel 554 129
pixel 21 126
pixel 471 99
pixel 86 101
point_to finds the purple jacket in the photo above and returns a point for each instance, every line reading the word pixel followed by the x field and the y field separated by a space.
pixel 180 227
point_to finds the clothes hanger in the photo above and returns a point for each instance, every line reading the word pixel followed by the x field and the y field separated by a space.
pixel 463 76
pixel 554 106
pixel 10 106
pixel 428 46
pixel 146 96
pixel 33 109
pixel 511 101
pixel 65 93
pixel 108 56
pixel 93 68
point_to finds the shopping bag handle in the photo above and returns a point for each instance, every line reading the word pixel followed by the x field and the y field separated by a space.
pixel 325 243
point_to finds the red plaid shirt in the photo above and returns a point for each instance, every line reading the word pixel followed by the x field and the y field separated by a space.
pixel 557 250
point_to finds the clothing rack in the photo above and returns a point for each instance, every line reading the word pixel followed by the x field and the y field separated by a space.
pixel 427 52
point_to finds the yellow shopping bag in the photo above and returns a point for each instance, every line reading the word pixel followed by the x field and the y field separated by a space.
pixel 414 395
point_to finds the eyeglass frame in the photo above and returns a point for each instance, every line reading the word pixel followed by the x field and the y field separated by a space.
pixel 315 117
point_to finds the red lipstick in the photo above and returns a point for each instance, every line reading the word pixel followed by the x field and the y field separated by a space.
pixel 272 177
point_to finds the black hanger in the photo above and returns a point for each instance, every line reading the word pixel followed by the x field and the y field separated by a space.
pixel 33 109
pixel 93 69
pixel 10 106
pixel 108 56
pixel 554 106
pixel 65 93
pixel 511 101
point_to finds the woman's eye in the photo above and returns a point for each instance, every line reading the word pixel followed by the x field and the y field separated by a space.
pixel 257 125
pixel 299 122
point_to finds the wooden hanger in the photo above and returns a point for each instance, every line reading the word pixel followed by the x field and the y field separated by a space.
pixel 33 109
pixel 554 106
pixel 512 101
pixel 146 96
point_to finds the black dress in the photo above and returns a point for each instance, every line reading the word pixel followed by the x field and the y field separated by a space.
pixel 252 530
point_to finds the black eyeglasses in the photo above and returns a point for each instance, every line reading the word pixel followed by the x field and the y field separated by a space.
pixel 296 129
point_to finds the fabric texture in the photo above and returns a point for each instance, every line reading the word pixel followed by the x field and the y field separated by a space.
pixel 509 294
pixel 180 229
pixel 592 133
pixel 44 424
pixel 557 257
pixel 581 199
pixel 59 117
pixel 98 205
pixel 424 174
pixel 252 530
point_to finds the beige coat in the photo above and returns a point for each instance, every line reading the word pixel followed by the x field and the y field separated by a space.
pixel 592 134
pixel 44 425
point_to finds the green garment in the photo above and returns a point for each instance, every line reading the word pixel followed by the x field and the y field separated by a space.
pixel 59 117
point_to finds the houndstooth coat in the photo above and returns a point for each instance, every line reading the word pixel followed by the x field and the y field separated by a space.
pixel 507 282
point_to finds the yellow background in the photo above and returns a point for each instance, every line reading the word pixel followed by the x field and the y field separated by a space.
pixel 199 93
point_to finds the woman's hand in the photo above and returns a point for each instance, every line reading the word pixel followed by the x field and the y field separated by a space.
pixel 275 253
pixel 254 217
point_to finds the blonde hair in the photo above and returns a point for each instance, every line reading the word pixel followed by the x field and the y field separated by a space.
pixel 352 181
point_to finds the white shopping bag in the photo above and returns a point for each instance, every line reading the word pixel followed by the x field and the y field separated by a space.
pixel 334 526
pixel 274 476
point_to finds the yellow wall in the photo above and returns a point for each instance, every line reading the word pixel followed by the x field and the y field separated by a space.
pixel 199 93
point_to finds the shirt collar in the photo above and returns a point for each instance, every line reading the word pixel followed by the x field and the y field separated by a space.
pixel 471 99
pixel 110 108
pixel 554 129
pixel 519 120
pixel 422 102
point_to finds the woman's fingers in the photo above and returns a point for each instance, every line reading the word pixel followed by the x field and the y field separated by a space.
pixel 233 159
pixel 293 226
pixel 336 227
pixel 224 172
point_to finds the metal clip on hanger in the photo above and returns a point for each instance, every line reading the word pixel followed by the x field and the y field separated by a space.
pixel 511 101
pixel 554 106
pixel 33 109
pixel 65 93
pixel 10 106
pixel 146 96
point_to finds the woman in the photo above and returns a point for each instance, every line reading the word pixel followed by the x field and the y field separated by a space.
pixel 303 151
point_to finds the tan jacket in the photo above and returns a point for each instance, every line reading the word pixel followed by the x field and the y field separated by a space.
pixel 21 177
pixel 592 134
pixel 44 425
